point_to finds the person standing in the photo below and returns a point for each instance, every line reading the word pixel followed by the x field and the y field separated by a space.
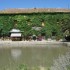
pixel 34 37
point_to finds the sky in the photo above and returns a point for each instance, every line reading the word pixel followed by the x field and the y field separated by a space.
pixel 6 4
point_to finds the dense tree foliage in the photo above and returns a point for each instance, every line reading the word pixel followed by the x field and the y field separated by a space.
pixel 56 23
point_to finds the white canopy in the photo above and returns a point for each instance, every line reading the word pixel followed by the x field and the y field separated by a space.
pixel 16 35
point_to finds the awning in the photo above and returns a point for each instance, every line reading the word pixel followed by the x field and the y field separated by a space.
pixel 15 35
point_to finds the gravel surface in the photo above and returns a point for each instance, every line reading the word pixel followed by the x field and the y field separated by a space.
pixel 44 43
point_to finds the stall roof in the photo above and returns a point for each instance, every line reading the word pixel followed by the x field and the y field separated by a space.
pixel 15 31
